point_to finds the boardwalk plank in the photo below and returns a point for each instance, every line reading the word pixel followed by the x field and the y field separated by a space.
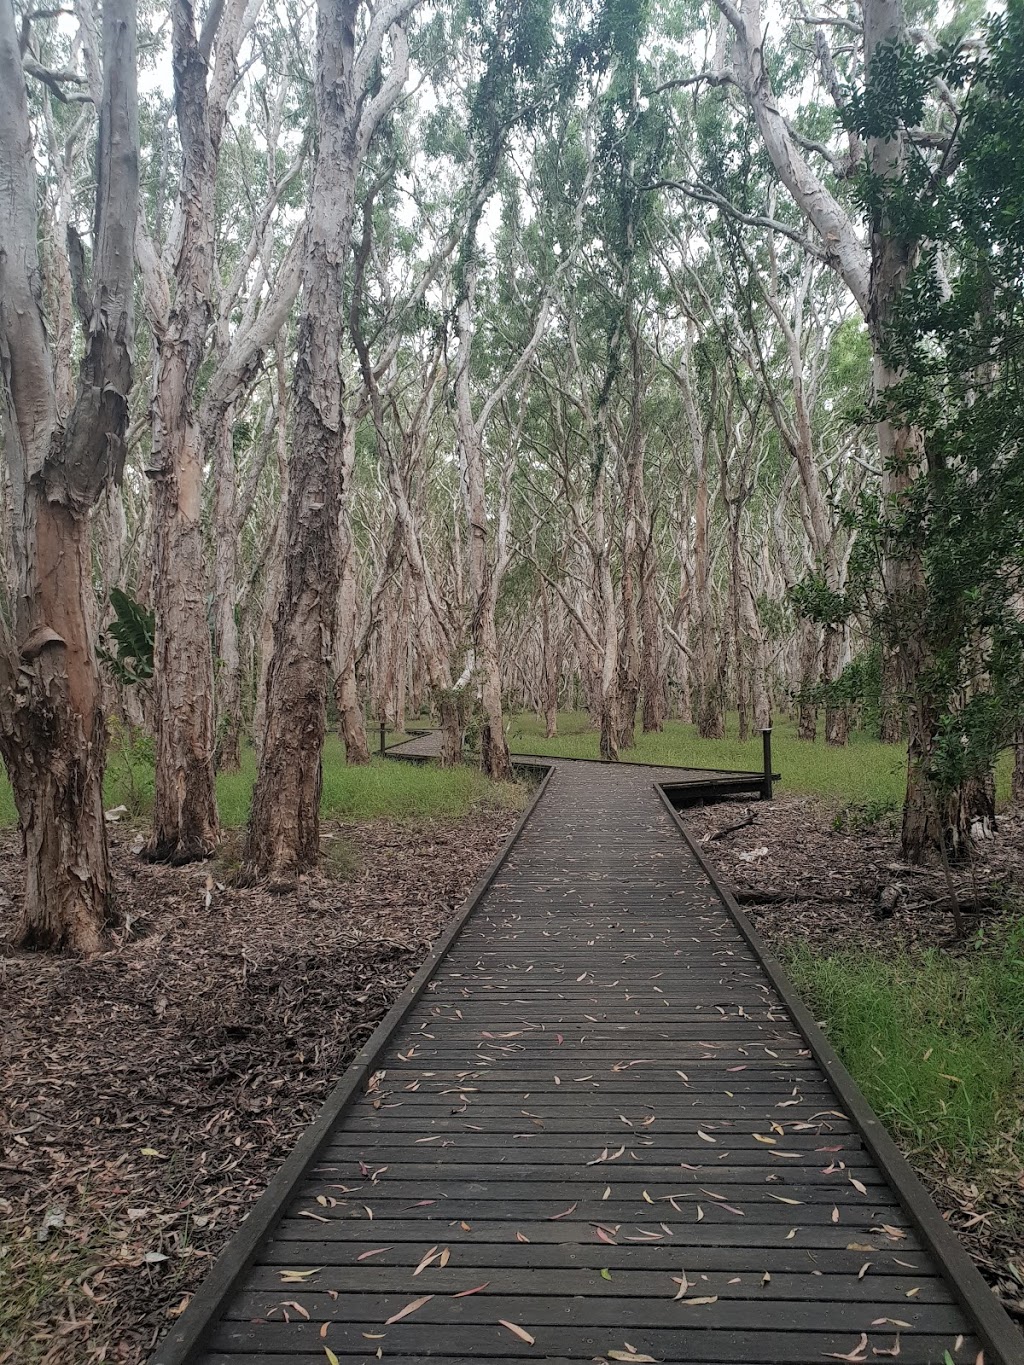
pixel 602 1086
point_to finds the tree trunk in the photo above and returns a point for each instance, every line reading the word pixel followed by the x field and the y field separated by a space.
pixel 185 823
pixel 54 742
pixel 352 722
pixel 185 826
pixel 494 754
pixel 890 718
pixel 284 827
pixel 807 711
pixel 484 569
pixel 550 666
pixel 228 671
pixel 451 705
pixel 652 679
pixel 837 717
pixel 52 729
pixel 351 719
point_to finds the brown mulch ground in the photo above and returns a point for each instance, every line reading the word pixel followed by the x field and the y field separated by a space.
pixel 839 888
pixel 149 1093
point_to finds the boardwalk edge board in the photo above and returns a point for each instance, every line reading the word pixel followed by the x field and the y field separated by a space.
pixel 204 1310
pixel 1001 1339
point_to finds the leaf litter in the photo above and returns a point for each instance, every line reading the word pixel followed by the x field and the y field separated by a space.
pixel 213 1030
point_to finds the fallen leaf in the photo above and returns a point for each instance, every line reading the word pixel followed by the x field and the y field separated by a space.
pixel 516 1331
pixel 859 1352
pixel 408 1309
pixel 377 1251
pixel 297 1276
pixel 707 1298
pixel 428 1256
pixel 704 1136
pixel 465 1293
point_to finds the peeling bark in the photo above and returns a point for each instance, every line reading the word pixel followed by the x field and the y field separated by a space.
pixel 52 728
pixel 351 100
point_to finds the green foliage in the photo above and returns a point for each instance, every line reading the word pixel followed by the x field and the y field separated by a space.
pixel 936 1043
pixel 129 656
pixel 859 686
pixel 868 815
pixel 129 778
pixel 941 560
pixel 387 788
pixel 862 771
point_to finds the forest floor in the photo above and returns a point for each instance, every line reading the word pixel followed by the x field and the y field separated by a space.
pixel 149 1093
pixel 931 1025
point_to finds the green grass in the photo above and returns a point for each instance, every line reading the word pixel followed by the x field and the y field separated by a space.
pixel 864 772
pixel 936 1042
pixel 389 788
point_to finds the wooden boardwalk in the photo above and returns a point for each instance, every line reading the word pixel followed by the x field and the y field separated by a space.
pixel 601 1131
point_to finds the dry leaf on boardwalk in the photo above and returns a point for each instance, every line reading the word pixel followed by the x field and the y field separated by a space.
pixel 408 1309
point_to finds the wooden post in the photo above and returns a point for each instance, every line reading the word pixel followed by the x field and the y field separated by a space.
pixel 383 737
pixel 766 785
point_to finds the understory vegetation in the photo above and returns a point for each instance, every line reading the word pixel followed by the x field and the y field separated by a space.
pixel 935 1041
pixel 864 773
pixel 383 788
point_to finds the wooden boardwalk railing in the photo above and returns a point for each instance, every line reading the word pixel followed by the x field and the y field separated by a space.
pixel 599 1127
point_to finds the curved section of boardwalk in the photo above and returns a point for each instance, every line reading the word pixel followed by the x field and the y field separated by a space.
pixel 598 1135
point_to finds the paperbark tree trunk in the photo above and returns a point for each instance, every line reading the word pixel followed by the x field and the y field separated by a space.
pixel 52 727
pixel 652 678
pixel 351 100
pixel 486 566
pixel 228 707
pixel 810 669
pixel 875 277
pixel 550 665
pixel 837 717
pixel 185 825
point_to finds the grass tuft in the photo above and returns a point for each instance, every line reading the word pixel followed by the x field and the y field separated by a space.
pixel 935 1042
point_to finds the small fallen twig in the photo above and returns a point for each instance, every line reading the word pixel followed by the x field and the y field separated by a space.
pixel 731 829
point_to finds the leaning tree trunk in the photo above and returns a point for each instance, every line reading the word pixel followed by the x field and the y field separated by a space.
pixel 52 728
